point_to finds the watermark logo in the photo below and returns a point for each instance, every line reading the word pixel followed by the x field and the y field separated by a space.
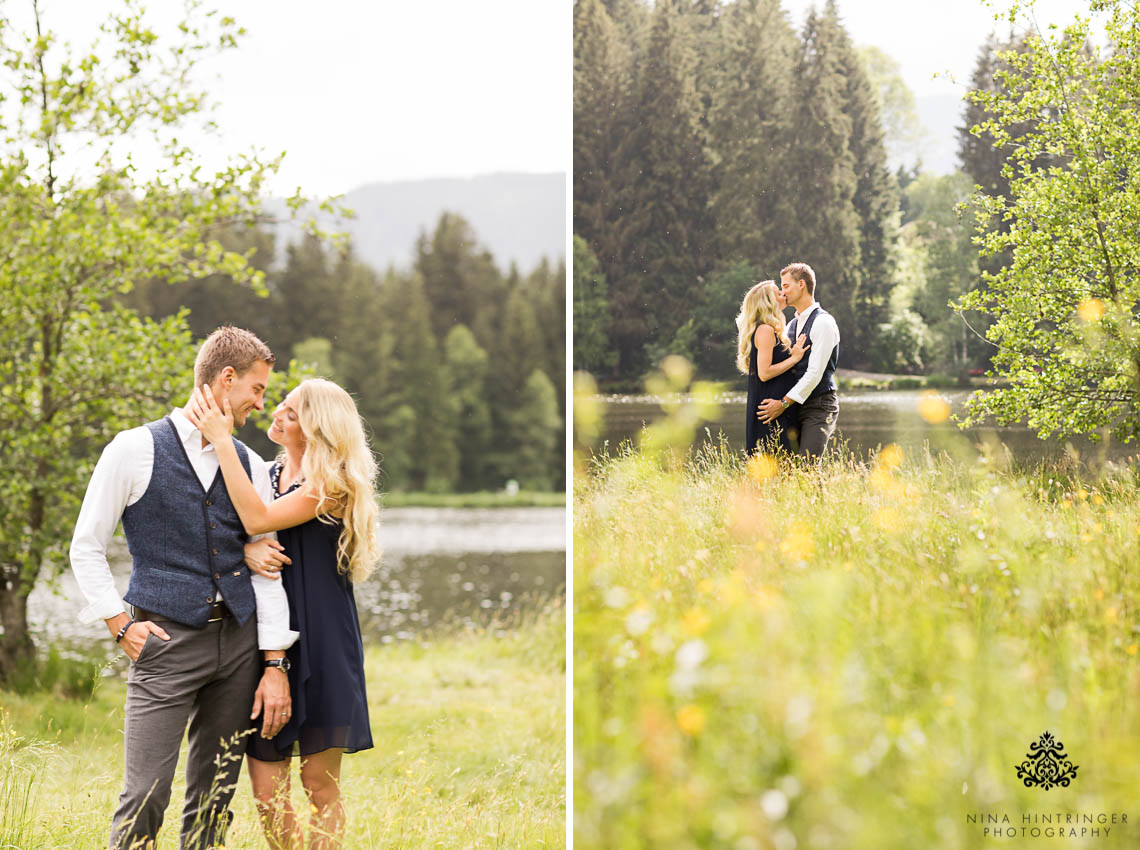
pixel 1046 764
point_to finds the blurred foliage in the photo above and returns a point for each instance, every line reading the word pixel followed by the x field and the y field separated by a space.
pixel 767 656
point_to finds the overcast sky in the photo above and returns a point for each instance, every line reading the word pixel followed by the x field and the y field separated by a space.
pixel 357 92
pixel 927 37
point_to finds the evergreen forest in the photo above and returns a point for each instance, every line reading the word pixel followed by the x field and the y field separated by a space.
pixel 714 144
pixel 457 366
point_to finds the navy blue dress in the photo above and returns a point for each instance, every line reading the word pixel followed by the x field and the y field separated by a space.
pixel 326 681
pixel 756 432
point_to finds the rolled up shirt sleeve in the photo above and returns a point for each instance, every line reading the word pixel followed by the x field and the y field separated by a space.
pixel 824 338
pixel 108 493
pixel 273 630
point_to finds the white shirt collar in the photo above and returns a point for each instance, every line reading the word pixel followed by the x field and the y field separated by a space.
pixel 187 432
pixel 802 315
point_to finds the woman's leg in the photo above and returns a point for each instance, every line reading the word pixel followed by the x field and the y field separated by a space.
pixel 320 774
pixel 270 780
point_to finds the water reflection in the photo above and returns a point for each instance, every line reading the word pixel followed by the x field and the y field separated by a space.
pixel 419 591
pixel 871 419
pixel 440 565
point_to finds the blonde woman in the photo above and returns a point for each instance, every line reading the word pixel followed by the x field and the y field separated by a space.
pixel 325 513
pixel 766 356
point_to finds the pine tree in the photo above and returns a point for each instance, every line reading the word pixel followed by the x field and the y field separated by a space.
pixel 518 349
pixel 747 112
pixel 876 204
pixel 299 295
pixel 671 231
pixel 820 176
pixel 604 116
pixel 632 20
pixel 546 285
pixel 466 365
pixel 535 427
pixel 459 276
pixel 593 351
pixel 423 387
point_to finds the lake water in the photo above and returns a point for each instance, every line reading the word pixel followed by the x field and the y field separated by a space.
pixel 870 419
pixel 453 565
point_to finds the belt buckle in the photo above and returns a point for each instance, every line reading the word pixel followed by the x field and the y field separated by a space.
pixel 220 611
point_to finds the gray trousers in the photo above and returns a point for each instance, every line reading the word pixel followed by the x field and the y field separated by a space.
pixel 817 423
pixel 204 677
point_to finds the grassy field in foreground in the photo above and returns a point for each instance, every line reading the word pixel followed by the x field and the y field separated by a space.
pixel 470 753
pixel 860 657
pixel 521 499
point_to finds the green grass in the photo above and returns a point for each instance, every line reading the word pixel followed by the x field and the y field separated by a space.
pixel 469 735
pixel 521 499
pixel 853 658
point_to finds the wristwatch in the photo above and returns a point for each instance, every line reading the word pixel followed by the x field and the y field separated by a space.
pixel 281 663
pixel 784 401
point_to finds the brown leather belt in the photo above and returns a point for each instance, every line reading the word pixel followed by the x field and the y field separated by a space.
pixel 217 612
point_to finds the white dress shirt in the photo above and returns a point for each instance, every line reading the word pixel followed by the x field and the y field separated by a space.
pixel 121 477
pixel 824 338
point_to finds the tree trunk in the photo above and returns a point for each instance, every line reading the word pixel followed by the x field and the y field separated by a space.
pixel 16 647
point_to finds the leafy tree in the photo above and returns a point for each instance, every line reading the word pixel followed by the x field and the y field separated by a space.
pixel 316 352
pixel 949 269
pixel 903 133
pixel 1065 306
pixel 217 299
pixel 76 368
pixel 981 158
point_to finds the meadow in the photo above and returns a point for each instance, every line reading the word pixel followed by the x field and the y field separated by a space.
pixel 769 656
pixel 469 732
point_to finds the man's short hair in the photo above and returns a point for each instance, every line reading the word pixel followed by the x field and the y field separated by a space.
pixel 229 346
pixel 801 272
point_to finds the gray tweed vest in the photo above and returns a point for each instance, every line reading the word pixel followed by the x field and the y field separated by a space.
pixel 181 556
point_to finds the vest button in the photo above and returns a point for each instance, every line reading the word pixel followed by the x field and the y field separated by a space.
pixel 208 503
pixel 213 525
pixel 214 551
pixel 209 599
pixel 217 575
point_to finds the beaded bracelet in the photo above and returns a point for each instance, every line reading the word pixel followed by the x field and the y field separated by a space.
pixel 123 630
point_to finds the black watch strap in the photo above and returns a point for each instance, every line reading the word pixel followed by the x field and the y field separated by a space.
pixel 281 663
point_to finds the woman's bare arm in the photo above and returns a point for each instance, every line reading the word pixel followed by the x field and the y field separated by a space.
pixel 765 341
pixel 216 425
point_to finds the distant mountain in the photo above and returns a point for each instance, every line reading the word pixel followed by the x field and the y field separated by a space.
pixel 941 115
pixel 517 217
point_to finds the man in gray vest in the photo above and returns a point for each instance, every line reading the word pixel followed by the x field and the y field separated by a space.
pixel 197 616
pixel 815 389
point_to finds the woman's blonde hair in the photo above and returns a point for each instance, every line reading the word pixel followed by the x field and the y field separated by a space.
pixel 338 468
pixel 759 307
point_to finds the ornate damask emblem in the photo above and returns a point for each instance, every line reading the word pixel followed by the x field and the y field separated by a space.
pixel 1047 764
